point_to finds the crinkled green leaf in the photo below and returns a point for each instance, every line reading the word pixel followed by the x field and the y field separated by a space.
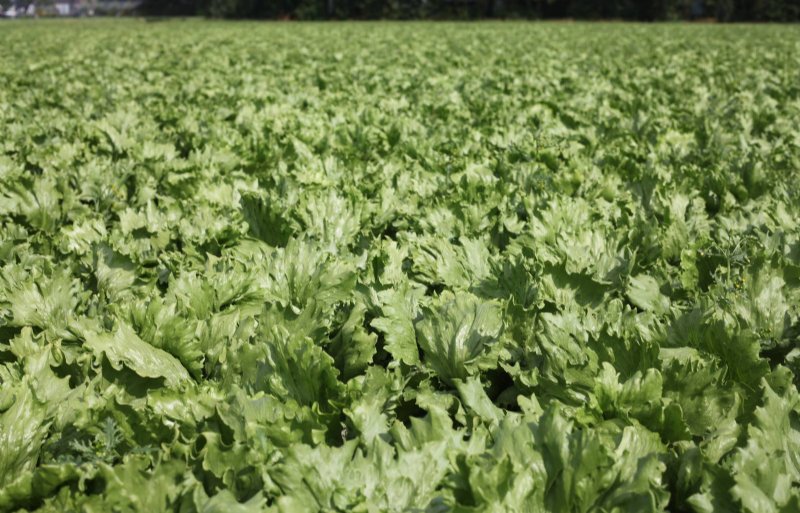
pixel 124 348
pixel 461 336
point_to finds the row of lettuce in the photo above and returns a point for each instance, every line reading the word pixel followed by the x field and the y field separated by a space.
pixel 362 268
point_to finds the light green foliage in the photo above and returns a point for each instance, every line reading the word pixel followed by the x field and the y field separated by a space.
pixel 496 267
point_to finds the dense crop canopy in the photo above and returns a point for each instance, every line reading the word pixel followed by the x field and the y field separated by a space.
pixel 408 267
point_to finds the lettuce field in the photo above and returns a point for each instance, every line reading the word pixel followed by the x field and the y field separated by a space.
pixel 411 267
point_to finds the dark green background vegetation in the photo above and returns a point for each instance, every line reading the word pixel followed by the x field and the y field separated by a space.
pixel 723 10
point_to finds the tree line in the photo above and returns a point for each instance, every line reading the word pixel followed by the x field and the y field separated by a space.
pixel 643 10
